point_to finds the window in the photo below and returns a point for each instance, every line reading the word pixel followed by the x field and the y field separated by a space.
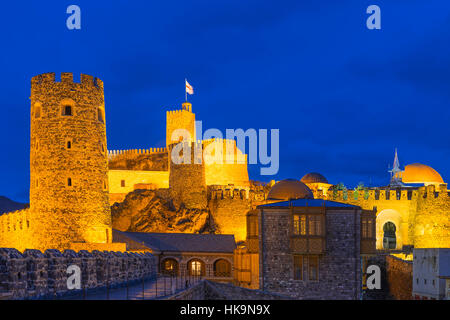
pixel 37 111
pixel 170 267
pixel 367 228
pixel 67 110
pixel 69 144
pixel 105 185
pixel 222 268
pixel 315 226
pixel 307 225
pixel 300 224
pixel 69 182
pixel 100 116
pixel 313 268
pixel 252 226
pixel 122 183
pixel 196 268
pixel 298 267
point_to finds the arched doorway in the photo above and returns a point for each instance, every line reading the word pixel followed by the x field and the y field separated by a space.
pixel 169 267
pixel 389 235
pixel 222 268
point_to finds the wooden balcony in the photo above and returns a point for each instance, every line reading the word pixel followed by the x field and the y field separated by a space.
pixel 308 245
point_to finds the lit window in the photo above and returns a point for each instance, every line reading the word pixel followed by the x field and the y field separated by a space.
pixel 170 266
pixel 195 268
pixel 300 225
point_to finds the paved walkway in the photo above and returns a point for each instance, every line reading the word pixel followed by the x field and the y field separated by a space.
pixel 151 289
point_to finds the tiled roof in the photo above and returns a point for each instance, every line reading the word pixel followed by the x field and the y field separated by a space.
pixel 309 203
pixel 183 242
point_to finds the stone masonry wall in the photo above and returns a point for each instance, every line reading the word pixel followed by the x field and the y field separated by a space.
pixel 399 274
pixel 34 274
pixel 339 267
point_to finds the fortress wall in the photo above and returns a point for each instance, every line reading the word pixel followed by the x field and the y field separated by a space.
pixel 227 164
pixel 230 215
pixel 422 216
pixel 15 230
pixel 155 159
pixel 34 274
pixel 159 179
pixel 432 220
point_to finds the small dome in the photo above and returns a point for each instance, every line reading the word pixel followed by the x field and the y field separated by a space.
pixel 420 173
pixel 290 189
pixel 314 177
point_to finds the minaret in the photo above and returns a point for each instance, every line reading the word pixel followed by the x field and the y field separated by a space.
pixel 396 173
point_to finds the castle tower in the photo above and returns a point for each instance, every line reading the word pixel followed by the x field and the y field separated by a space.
pixel 68 162
pixel 180 119
pixel 187 180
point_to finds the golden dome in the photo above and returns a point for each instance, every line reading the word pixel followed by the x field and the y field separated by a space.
pixel 420 173
pixel 314 177
pixel 290 189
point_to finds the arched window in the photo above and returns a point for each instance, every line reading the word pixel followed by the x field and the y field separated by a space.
pixel 67 110
pixel 222 268
pixel 169 267
pixel 196 267
pixel 389 237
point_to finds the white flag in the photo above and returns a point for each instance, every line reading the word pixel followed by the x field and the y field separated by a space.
pixel 189 88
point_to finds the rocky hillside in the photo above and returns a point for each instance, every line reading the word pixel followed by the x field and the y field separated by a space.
pixel 145 211
pixel 8 205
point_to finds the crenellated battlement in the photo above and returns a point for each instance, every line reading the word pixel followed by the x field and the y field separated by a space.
pixel 430 192
pixel 66 77
pixel 112 154
pixel 228 192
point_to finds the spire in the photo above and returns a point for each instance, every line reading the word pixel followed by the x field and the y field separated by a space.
pixel 396 177
pixel 396 166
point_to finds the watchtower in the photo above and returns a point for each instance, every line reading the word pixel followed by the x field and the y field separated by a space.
pixel 180 119
pixel 68 162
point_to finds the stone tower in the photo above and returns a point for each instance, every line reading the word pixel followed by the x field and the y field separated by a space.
pixel 180 119
pixel 68 162
pixel 187 182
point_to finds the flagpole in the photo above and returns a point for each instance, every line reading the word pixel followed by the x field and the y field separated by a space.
pixel 185 91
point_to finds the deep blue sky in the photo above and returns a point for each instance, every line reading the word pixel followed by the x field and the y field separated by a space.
pixel 342 96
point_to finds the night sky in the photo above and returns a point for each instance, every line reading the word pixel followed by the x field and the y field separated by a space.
pixel 344 97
